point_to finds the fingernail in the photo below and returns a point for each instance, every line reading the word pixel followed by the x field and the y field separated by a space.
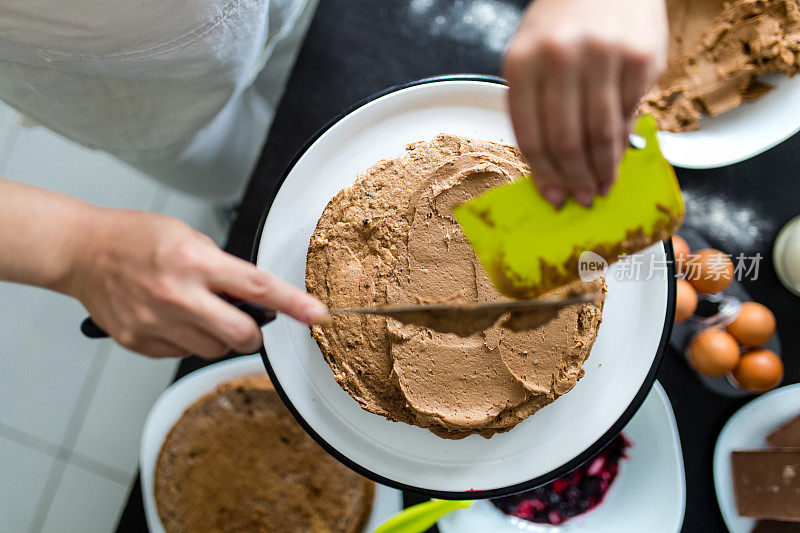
pixel 322 320
pixel 584 197
pixel 256 345
pixel 320 316
pixel 554 195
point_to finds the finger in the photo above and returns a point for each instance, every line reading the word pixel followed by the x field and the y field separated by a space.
pixel 563 113
pixel 637 73
pixel 634 82
pixel 222 321
pixel 521 71
pixel 603 113
pixel 153 347
pixel 196 341
pixel 136 342
pixel 241 279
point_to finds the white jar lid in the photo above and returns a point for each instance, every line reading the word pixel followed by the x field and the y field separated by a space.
pixel 786 255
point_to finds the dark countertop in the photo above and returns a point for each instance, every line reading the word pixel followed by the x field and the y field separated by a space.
pixel 357 47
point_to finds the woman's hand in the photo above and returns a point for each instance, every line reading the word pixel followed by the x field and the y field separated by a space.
pixel 152 283
pixel 576 70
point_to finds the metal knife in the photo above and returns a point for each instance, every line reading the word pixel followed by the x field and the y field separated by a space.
pixel 461 318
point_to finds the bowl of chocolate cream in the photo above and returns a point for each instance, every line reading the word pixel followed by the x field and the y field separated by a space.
pixel 362 217
pixel 730 90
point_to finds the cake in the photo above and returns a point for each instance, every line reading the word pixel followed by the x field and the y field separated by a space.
pixel 237 461
pixel 390 238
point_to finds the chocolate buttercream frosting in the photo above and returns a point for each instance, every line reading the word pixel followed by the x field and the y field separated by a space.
pixel 390 238
pixel 718 49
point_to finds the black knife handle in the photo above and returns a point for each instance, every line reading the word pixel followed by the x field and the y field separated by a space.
pixel 92 330
pixel 257 312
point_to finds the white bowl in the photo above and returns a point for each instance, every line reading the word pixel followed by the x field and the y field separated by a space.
pixel 619 372
pixel 741 133
pixel 171 405
pixel 746 430
pixel 649 493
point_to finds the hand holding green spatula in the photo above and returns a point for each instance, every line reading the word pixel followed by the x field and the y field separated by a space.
pixel 528 247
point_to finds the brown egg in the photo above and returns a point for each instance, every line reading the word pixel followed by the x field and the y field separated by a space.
pixel 713 352
pixel 754 325
pixel 685 300
pixel 681 249
pixel 709 270
pixel 759 370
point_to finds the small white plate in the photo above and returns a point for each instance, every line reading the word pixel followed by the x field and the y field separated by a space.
pixel 171 405
pixel 649 493
pixel 741 133
pixel 746 430
pixel 637 318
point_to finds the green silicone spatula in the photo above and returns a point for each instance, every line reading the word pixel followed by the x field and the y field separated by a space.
pixel 528 247
pixel 419 518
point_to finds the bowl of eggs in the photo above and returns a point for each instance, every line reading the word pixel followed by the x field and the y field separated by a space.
pixel 727 339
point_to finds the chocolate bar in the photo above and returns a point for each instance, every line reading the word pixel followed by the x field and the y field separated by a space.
pixel 787 435
pixel 766 483
pixel 776 526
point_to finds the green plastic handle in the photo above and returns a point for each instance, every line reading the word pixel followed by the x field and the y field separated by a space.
pixel 419 518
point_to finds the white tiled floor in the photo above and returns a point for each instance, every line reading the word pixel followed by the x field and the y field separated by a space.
pixel 71 409
pixel 24 473
pixel 44 360
pixel 110 431
pixel 7 117
pixel 84 501
pixel 40 158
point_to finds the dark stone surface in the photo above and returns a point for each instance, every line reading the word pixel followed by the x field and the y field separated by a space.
pixel 357 47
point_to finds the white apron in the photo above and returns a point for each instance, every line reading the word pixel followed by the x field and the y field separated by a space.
pixel 164 85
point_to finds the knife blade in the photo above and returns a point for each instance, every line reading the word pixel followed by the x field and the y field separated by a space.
pixel 502 306
pixel 467 318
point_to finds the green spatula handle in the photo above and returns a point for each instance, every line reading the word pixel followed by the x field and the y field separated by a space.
pixel 418 518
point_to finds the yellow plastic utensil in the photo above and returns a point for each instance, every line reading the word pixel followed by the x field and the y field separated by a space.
pixel 419 518
pixel 529 247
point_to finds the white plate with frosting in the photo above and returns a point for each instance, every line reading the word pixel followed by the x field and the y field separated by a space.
pixel 741 133
pixel 619 373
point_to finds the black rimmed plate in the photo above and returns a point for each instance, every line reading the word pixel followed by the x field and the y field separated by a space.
pixel 619 373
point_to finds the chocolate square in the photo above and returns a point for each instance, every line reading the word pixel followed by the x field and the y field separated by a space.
pixel 787 435
pixel 775 526
pixel 766 483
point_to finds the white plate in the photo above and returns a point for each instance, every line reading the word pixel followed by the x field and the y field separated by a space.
pixel 177 398
pixel 746 430
pixel 649 493
pixel 741 133
pixel 619 371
